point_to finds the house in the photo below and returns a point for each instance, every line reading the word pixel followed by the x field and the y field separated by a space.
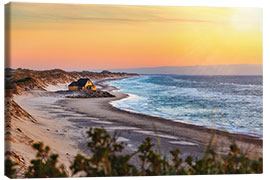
pixel 82 84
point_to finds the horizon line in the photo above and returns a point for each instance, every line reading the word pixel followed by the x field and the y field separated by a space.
pixel 100 69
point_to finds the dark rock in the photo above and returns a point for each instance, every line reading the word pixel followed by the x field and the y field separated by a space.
pixel 91 94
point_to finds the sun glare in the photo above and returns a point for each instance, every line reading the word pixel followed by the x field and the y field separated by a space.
pixel 247 18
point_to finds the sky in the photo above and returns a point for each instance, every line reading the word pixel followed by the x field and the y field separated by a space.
pixel 81 37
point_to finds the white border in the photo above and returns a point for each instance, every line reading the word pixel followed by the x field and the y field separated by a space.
pixel 211 3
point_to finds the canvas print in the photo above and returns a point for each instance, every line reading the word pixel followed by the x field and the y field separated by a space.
pixel 123 90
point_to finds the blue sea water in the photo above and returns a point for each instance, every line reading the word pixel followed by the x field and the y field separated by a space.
pixel 232 103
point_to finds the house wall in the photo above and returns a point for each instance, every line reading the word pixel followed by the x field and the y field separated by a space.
pixel 93 88
pixel 88 83
pixel 73 88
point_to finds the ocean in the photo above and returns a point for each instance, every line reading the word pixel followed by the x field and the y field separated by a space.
pixel 231 103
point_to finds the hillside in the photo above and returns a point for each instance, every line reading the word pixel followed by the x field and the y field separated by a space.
pixel 19 81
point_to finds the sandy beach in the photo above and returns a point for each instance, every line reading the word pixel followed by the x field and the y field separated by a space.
pixel 62 124
pixel 191 139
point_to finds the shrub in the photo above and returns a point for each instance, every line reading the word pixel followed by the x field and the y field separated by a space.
pixel 10 170
pixel 27 79
pixel 44 166
pixel 107 160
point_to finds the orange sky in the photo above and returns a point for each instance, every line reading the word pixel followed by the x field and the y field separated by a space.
pixel 76 37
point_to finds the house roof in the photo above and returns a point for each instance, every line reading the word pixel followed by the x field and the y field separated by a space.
pixel 74 84
pixel 81 82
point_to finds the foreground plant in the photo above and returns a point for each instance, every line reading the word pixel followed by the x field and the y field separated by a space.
pixel 44 166
pixel 10 170
pixel 107 160
pixel 235 162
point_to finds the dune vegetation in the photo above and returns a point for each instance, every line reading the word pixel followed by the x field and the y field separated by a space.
pixel 106 159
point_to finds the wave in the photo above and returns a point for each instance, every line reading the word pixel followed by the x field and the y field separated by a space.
pixel 201 104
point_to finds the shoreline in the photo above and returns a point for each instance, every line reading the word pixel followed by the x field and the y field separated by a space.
pixel 189 124
pixel 212 126
pixel 180 121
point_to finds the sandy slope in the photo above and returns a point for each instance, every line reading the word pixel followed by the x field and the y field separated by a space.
pixel 47 129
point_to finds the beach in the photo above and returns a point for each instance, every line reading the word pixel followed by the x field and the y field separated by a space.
pixel 62 124
pixel 191 139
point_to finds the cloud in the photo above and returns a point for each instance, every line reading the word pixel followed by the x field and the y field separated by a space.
pixel 116 14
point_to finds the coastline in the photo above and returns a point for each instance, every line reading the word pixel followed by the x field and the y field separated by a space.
pixel 103 109
pixel 210 115
pixel 188 124
pixel 256 136
pixel 62 124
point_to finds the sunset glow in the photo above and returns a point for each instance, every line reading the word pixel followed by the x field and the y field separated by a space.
pixel 77 37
